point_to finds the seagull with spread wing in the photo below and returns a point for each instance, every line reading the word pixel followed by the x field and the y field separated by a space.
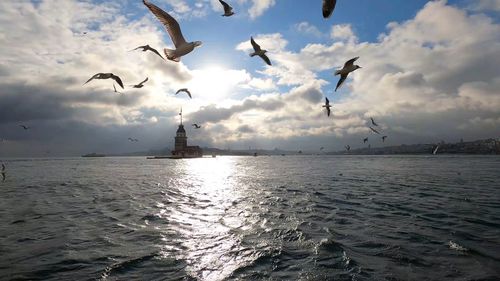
pixel 196 126
pixel 228 10
pixel 106 76
pixel 185 90
pixel 365 140
pixel 259 52
pixel 348 68
pixel 148 48
pixel 328 7
pixel 3 172
pixel 182 47
pixel 140 85
pixel 373 122
pixel 383 138
pixel 24 127
pixel 327 106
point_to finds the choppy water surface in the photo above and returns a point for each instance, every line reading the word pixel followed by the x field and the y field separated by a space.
pixel 251 218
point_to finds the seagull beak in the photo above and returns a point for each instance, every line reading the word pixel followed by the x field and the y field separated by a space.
pixel 198 43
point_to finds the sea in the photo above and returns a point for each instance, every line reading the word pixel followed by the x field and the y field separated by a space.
pixel 432 217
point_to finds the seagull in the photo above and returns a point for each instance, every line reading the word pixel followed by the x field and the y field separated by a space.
pixel 106 76
pixel 174 30
pixel 259 52
pixel 373 130
pixel 365 140
pixel 116 90
pixel 148 48
pixel 328 7
pixel 184 90
pixel 383 138
pixel 348 148
pixel 24 127
pixel 321 148
pixel 228 10
pixel 133 140
pixel 196 126
pixel 140 85
pixel 348 68
pixel 373 122
pixel 327 105
pixel 3 172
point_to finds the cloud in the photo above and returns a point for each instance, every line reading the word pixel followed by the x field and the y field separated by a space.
pixel 343 32
pixel 259 7
pixel 308 29
pixel 485 5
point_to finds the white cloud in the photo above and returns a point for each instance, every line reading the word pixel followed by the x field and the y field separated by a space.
pixel 343 32
pixel 485 5
pixel 308 29
pixel 259 7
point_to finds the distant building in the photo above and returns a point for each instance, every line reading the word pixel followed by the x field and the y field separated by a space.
pixel 182 150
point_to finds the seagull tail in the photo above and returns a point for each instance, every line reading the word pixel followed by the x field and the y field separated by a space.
pixel 171 55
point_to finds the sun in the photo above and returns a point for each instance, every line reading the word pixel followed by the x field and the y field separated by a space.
pixel 215 83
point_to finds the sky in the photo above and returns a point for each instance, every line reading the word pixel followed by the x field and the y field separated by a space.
pixel 430 73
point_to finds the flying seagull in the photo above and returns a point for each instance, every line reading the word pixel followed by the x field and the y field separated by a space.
pixel 196 126
pixel 174 30
pixel 184 90
pixel 383 138
pixel 373 122
pixel 228 10
pixel 327 106
pixel 321 148
pixel 373 130
pixel 348 148
pixel 116 90
pixel 24 127
pixel 3 172
pixel 259 52
pixel 148 48
pixel 365 140
pixel 328 7
pixel 348 68
pixel 140 85
pixel 133 140
pixel 106 76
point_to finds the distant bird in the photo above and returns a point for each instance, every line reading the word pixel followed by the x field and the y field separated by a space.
pixel 133 140
pixel 373 122
pixel 259 52
pixel 116 90
pixel 24 127
pixel 3 172
pixel 184 90
pixel 348 68
pixel 149 48
pixel 435 151
pixel 375 131
pixel 182 47
pixel 365 140
pixel 328 7
pixel 321 148
pixel 140 85
pixel 327 106
pixel 106 76
pixel 383 138
pixel 228 10
pixel 348 148
pixel 196 126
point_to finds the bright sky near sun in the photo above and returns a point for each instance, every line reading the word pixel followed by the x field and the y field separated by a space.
pixel 430 73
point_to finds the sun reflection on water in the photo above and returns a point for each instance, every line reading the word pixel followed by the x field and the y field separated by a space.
pixel 201 217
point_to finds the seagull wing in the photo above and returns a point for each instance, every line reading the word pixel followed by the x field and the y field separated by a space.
pixel 145 80
pixel 343 77
pixel 227 8
pixel 255 46
pixel 156 52
pixel 118 80
pixel 373 122
pixel 172 26
pixel 266 59
pixel 328 7
pixel 327 102
pixel 91 78
pixel 3 167
pixel 189 93
pixel 3 176
pixel 350 62
pixel 140 47
pixel 375 131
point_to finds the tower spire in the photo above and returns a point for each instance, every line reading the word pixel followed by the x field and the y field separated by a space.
pixel 180 113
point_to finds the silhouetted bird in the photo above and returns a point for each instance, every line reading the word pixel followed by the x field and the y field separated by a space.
pixel 321 148
pixel 328 7
pixel 184 90
pixel 327 106
pixel 259 52
pixel 133 140
pixel 140 85
pixel 3 172
pixel 149 48
pixel 174 30
pixel 228 10
pixel 373 122
pixel 106 76
pixel 365 140
pixel 196 126
pixel 373 130
pixel 383 138
pixel 348 68
pixel 348 148
pixel 24 127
